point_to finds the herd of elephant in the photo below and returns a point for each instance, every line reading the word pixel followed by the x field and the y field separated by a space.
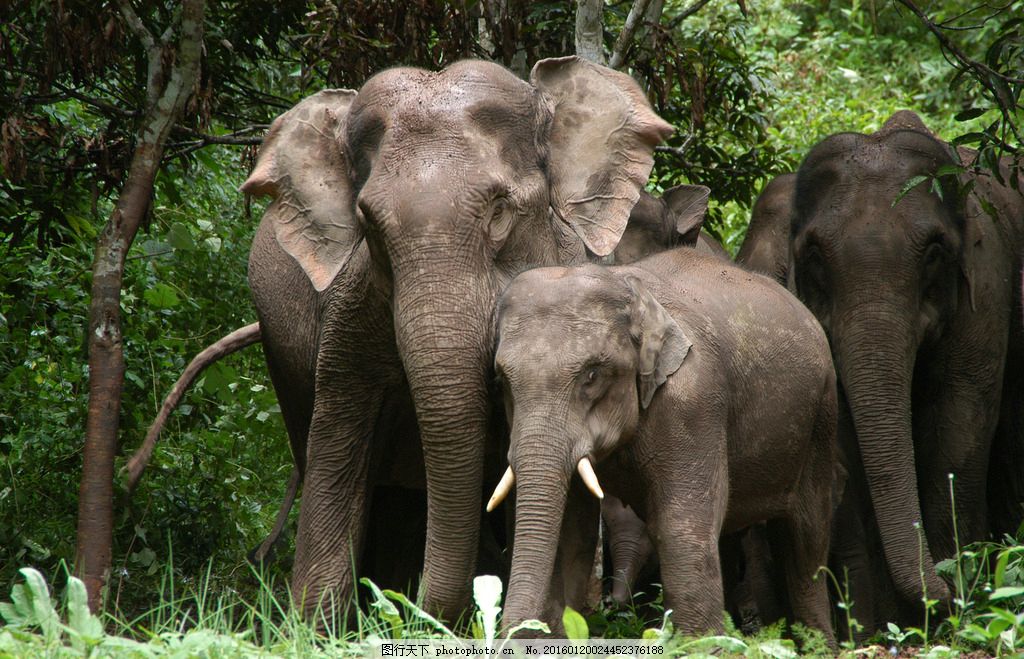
pixel 462 287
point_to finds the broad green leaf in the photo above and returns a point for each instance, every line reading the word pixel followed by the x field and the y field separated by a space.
pixel 180 237
pixel 575 626
pixel 87 630
pixel 1006 592
pixel 161 296
pixel 30 605
pixel 212 243
pixel 218 380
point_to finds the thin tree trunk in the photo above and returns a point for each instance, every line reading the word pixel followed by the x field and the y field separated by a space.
pixel 590 30
pixel 167 95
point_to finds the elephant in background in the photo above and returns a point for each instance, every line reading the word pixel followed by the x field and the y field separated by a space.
pixel 766 246
pixel 660 223
pixel 663 382
pixel 919 296
pixel 398 214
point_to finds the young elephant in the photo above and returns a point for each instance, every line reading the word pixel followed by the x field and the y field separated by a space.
pixel 701 395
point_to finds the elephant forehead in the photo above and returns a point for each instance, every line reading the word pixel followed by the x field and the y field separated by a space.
pixel 558 344
pixel 585 291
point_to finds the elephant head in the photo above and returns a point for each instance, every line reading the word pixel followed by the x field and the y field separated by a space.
pixel 581 352
pixel 661 223
pixel 884 269
pixel 457 180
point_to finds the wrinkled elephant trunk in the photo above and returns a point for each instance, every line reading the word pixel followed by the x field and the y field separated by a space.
pixel 443 333
pixel 542 485
pixel 875 356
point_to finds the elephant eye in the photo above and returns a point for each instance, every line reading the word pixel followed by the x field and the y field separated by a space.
pixel 499 223
pixel 591 375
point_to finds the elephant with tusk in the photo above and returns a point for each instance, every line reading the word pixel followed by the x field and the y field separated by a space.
pixel 701 395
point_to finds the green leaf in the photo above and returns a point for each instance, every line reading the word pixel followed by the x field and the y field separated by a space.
pixel 908 186
pixel 212 243
pixel 575 626
pixel 969 114
pixel 180 237
pixel 87 630
pixel 386 610
pixel 162 296
pixel 1006 592
pixel 218 380
pixel 31 606
pixel 419 613
pixel 778 649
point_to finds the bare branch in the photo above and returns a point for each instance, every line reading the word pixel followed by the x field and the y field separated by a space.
pixel 239 137
pixel 135 24
pixel 633 20
pixel 240 338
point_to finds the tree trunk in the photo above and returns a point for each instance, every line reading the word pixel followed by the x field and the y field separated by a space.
pixel 167 95
pixel 590 30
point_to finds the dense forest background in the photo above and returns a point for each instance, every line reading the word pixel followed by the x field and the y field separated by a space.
pixel 749 87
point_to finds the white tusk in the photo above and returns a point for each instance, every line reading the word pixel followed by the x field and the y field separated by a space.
pixel 589 477
pixel 502 490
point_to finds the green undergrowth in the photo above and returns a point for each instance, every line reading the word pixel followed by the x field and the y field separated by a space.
pixel 197 619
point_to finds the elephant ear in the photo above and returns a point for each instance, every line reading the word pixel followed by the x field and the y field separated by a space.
pixel 601 146
pixel 688 204
pixel 662 343
pixel 303 167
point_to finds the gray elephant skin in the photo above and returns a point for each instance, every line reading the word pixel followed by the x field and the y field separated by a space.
pixel 671 220
pixel 920 296
pixel 663 383
pixel 398 214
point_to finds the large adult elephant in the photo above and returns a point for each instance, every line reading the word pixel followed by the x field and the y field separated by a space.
pixel 399 214
pixel 918 293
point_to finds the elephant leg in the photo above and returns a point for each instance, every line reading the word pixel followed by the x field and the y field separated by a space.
pixel 357 366
pixel 1006 480
pixel 629 544
pixel 1006 462
pixel 799 540
pixel 762 583
pixel 334 508
pixel 574 561
pixel 953 436
pixel 686 526
pixel 802 542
